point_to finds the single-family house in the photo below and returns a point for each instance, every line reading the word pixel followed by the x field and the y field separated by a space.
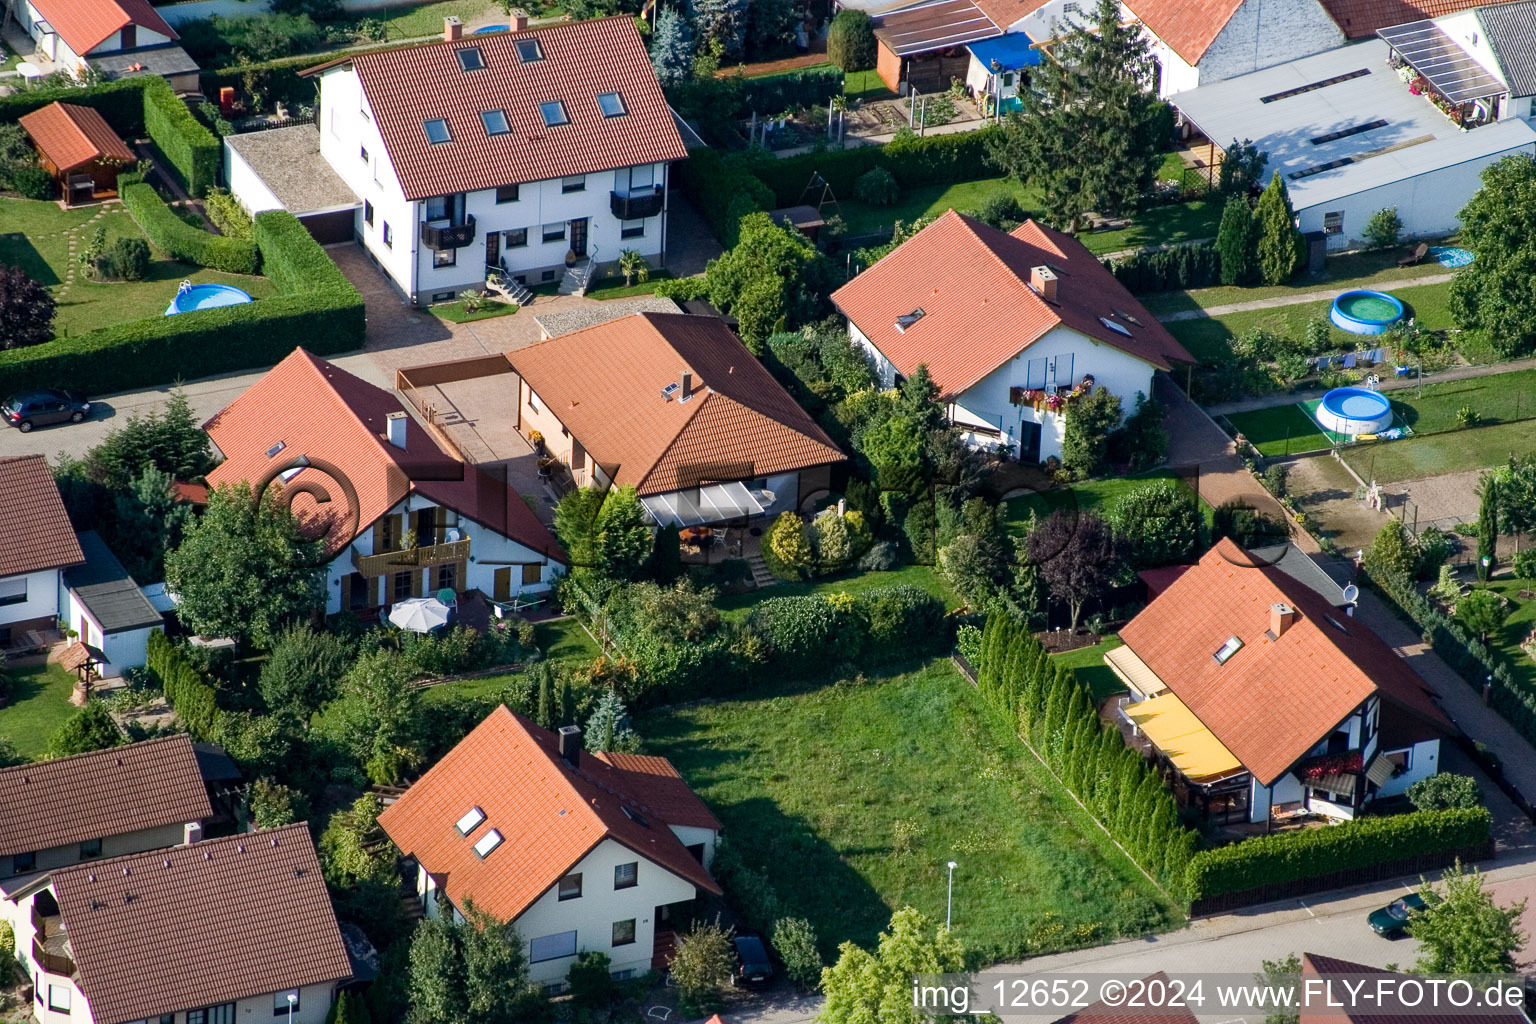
pixel 1335 991
pixel 581 851
pixel 532 151
pixel 400 515
pixel 78 149
pixel 115 38
pixel 107 608
pixel 675 406
pixel 40 546
pixel 216 931
pixel 1266 701
pixel 1009 326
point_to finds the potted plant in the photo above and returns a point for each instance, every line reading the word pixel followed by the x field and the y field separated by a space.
pixel 536 438
pixel 546 468
pixel 570 257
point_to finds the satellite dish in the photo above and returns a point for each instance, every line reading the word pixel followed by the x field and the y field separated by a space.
pixel 1351 594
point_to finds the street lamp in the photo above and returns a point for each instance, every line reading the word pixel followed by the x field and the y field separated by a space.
pixel 293 999
pixel 949 907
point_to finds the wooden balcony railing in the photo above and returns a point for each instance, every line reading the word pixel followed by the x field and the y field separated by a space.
pixel 421 557
pixel 52 962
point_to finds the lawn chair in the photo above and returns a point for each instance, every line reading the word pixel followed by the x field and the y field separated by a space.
pixel 1416 256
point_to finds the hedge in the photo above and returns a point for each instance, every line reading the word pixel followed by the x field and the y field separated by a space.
pixel 121 102
pixel 925 160
pixel 1194 265
pixel 183 241
pixel 723 192
pixel 294 260
pixel 1283 857
pixel 189 695
pixel 282 81
pixel 190 149
pixel 773 95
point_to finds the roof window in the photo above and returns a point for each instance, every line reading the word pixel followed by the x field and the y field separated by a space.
pixel 487 843
pixel 635 817
pixel 1128 318
pixel 1119 328
pixel 554 113
pixel 275 449
pixel 470 58
pixel 908 319
pixel 529 50
pixel 1336 624
pixel 471 820
pixel 1225 652
pixel 611 104
pixel 437 130
pixel 495 122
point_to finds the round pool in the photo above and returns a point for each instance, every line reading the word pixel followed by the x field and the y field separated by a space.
pixel 1365 312
pixel 491 28
pixel 1355 411
pixel 205 296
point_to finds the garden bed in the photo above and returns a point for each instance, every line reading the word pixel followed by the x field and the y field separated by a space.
pixel 456 312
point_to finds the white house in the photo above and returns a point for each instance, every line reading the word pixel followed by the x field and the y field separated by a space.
pixel 401 517
pixel 106 607
pixel 175 935
pixel 40 545
pixel 580 851
pixel 1268 702
pixel 531 152
pixel 1008 325
pixel 115 37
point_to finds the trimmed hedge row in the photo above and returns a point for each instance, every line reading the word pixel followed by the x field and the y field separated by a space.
pixel 121 102
pixel 1289 856
pixel 192 150
pixel 180 239
pixel 294 260
pixel 774 95
pixel 1194 265
pixel 926 160
pixel 189 695
pixel 723 193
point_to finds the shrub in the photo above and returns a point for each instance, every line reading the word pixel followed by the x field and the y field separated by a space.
pixel 1445 791
pixel 1159 522
pixel 904 621
pixel 877 187
pixel 130 258
pixel 915 162
pixel 190 149
pixel 723 192
pixel 182 241
pixel 591 986
pixel 883 556
pixel 1525 564
pixel 1002 211
pixel 788 550
pixel 795 941
pixel 851 41
pixel 1383 229
pixel 1193 265
pixel 702 963
pixel 225 211
pixel 968 642
pixel 26 310
pixel 799 631
pixel 32 182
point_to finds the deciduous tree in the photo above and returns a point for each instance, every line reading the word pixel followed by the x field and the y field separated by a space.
pixel 1462 931
pixel 1077 555
pixel 1493 296
pixel 623 541
pixel 876 988
pixel 26 310
pixel 772 280
pixel 90 728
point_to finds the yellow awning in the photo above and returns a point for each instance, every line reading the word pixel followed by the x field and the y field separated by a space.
pixel 1181 737
pixel 1133 672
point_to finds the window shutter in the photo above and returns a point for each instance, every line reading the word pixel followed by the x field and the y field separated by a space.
pixel 346 592
pixel 532 573
pixel 375 585
pixel 440 523
pixel 378 534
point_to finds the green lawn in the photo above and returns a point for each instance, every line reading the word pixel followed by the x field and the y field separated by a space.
pixel 865 85
pixel 36 239
pixel 736 606
pixel 1087 495
pixel 1283 430
pixel 851 799
pixel 39 704
pixel 559 639
pixel 1088 663
pixel 615 288
pixel 1161 225
pixel 455 311
pixel 1522 619
pixel 426 19
pixel 1434 454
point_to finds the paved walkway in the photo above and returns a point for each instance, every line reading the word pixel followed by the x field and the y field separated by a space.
pixel 1297 298
pixel 1387 384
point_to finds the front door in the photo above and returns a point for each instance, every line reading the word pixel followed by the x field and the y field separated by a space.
pixel 1029 441
pixel 493 248
pixel 579 237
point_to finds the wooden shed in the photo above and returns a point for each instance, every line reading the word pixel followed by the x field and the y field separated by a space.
pixel 77 146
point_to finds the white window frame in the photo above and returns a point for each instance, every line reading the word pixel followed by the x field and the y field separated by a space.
pixel 556 946
pixel 13 591
pixel 54 991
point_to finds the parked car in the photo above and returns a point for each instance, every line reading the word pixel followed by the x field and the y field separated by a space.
pixel 1392 919
pixel 42 407
pixel 752 964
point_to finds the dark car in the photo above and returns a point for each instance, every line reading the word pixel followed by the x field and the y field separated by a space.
pixel 752 963
pixel 40 408
pixel 1392 919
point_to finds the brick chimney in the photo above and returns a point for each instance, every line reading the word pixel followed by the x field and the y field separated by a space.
pixel 519 20
pixel 394 428
pixel 570 745
pixel 453 29
pixel 1281 615
pixel 1043 281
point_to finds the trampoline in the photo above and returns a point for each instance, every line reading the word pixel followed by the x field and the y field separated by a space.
pixel 1354 411
pixel 205 296
pixel 1365 312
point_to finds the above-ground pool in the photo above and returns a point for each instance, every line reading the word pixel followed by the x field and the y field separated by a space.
pixel 1365 312
pixel 1354 411
pixel 205 296
pixel 491 28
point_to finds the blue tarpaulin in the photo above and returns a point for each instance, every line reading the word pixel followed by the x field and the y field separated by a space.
pixel 1011 51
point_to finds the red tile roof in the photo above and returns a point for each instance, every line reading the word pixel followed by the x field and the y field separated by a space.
pixel 549 815
pixel 99 794
pixel 1100 1013
pixel 1377 1012
pixel 1361 18
pixel 407 87
pixel 1189 27
pixel 654 782
pixel 40 536
pixel 199 925
pixel 316 409
pixel 1273 700
pixel 1005 12
pixel 70 136
pixel 86 24
pixel 738 424
pixel 971 281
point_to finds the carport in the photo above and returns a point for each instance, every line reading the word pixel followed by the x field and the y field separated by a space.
pixel 282 169
pixel 921 47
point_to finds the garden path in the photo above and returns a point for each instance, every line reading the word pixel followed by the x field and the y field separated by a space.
pixel 1276 399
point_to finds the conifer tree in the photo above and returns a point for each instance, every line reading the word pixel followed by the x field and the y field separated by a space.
pixel 1281 249
pixel 1235 242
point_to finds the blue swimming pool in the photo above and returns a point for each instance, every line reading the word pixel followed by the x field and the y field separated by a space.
pixel 491 28
pixel 1365 312
pixel 205 296
pixel 1355 411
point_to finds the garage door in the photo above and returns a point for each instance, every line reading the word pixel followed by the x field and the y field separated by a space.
pixel 328 228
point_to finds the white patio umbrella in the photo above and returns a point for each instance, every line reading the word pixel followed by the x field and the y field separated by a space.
pixel 419 614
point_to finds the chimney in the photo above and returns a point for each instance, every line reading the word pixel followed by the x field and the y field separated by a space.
pixel 519 20
pixel 1281 615
pixel 684 384
pixel 570 745
pixel 1043 280
pixel 453 29
pixel 191 832
pixel 394 429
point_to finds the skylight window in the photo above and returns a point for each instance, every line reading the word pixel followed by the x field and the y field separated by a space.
pixel 276 448
pixel 470 58
pixel 554 113
pixel 487 843
pixel 471 820
pixel 495 122
pixel 635 817
pixel 1128 318
pixel 437 130
pixel 1231 647
pixel 908 319
pixel 1121 328
pixel 529 50
pixel 611 104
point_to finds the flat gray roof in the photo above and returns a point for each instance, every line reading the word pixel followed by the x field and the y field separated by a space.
pixel 557 324
pixel 288 161
pixel 155 60
pixel 107 591
pixel 1311 112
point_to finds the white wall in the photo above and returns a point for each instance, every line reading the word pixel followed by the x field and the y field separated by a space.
pixel 42 598
pixel 1259 797
pixel 691 836
pixel 246 185
pixel 142 37
pixel 178 14
pixel 1260 34
pixel 124 650
pixel 1423 761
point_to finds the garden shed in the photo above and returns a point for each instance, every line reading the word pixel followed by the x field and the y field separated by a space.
pixel 79 149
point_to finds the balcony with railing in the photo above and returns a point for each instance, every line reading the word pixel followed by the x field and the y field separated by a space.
pixel 440 235
pixel 637 203
pixel 422 556
pixel 50 945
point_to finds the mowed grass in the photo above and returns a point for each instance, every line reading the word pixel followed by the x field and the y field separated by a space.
pixel 851 800
pixel 1522 619
pixel 39 704
pixel 736 606
pixel 1084 496
pixel 1281 430
pixel 559 639
pixel 1161 225
pixel 1352 270
pixel 1435 454
pixel 1088 664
